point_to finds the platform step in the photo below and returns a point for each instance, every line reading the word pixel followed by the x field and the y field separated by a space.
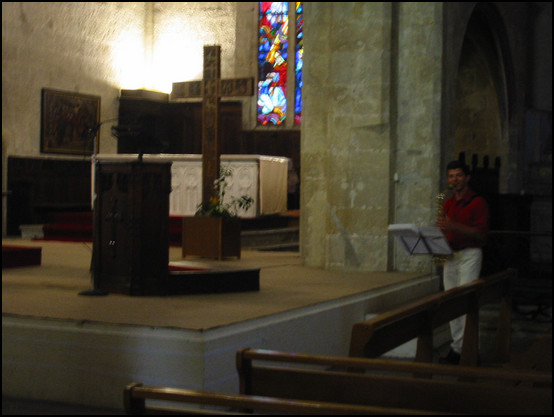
pixel 31 231
pixel 19 256
pixel 285 238
pixel 267 233
pixel 280 247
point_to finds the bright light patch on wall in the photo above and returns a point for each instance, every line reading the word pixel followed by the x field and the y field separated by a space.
pixel 177 55
pixel 128 56
pixel 175 61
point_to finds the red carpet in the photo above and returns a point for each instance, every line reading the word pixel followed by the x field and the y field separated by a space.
pixel 179 268
pixel 14 256
pixel 77 227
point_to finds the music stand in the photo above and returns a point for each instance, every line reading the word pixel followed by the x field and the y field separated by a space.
pixel 420 240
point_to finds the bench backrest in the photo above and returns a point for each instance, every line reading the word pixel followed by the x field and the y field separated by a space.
pixel 374 337
pixel 140 400
pixel 381 383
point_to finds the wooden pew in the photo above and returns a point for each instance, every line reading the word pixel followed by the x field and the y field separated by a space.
pixel 374 337
pixel 140 400
pixel 389 383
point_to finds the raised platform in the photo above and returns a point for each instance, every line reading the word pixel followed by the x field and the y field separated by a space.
pixel 60 346
pixel 19 256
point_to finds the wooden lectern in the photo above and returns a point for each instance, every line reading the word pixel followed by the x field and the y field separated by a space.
pixel 131 227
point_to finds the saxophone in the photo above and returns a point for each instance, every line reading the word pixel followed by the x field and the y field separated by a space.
pixel 439 260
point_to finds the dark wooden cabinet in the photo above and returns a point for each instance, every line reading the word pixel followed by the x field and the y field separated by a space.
pixel 150 123
pixel 39 187
pixel 131 223
pixel 154 125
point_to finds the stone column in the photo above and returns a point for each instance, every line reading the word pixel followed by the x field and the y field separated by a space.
pixel 371 132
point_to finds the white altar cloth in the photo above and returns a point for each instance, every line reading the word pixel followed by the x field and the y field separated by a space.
pixel 264 178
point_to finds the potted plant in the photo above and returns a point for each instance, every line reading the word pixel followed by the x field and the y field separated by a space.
pixel 214 231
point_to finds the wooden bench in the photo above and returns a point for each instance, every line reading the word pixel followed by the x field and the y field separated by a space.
pixel 135 398
pixel 374 337
pixel 391 384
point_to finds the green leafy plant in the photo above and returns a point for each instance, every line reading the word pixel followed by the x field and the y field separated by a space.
pixel 217 206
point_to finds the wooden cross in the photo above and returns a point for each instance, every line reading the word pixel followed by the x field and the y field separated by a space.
pixel 211 89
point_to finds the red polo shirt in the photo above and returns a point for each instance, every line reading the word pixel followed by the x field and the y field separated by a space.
pixel 471 210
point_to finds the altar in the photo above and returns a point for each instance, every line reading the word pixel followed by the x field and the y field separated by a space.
pixel 261 177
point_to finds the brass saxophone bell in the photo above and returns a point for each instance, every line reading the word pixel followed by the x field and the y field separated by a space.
pixel 439 260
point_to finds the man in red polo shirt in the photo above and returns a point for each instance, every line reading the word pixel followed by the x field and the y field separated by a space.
pixel 465 224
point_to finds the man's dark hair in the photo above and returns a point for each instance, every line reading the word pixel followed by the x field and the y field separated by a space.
pixel 457 164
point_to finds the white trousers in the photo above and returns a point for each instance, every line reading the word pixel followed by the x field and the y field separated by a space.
pixel 462 268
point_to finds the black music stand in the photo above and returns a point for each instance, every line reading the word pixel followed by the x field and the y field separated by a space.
pixel 420 240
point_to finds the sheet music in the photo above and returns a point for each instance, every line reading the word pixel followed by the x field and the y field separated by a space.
pixel 421 240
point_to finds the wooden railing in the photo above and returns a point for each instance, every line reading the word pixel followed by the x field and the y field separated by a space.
pixel 374 337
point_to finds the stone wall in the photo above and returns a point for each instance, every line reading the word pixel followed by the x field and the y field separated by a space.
pixel 99 48
pixel 390 98
pixel 370 141
pixel 379 118
pixel 419 104
pixel 62 46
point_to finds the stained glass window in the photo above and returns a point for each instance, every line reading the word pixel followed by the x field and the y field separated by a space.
pixel 273 63
pixel 299 61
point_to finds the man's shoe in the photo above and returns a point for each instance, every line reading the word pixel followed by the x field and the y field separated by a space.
pixel 452 358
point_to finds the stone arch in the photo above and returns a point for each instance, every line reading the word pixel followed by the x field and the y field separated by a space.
pixel 484 86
